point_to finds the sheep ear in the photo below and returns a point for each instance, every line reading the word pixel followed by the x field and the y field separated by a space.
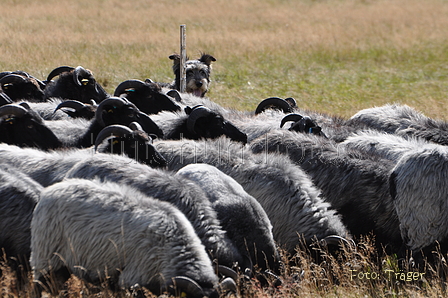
pixel 207 59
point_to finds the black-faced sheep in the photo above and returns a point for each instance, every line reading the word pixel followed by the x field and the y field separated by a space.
pixel 242 217
pixel 104 229
pixel 19 85
pixel 74 83
pixel 288 196
pixel 179 191
pixel 148 97
pixel 19 125
pixel 384 145
pixel 19 195
pixel 419 189
pixel 404 121
pixel 134 143
pixel 356 185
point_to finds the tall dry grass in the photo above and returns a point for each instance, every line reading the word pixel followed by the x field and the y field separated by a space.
pixel 334 56
pixel 360 272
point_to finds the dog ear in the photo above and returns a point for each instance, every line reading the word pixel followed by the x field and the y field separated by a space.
pixel 207 59
pixel 175 58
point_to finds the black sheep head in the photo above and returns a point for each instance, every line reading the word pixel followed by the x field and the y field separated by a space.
pixel 19 85
pixel 21 126
pixel 77 109
pixel 116 110
pixel 74 83
pixel 303 124
pixel 134 143
pixel 147 96
pixel 205 123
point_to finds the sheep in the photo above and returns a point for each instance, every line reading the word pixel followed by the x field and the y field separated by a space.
pixel 179 191
pixel 147 96
pixel 45 167
pixel 18 196
pixel 27 128
pixel 121 139
pixel 355 184
pixel 19 85
pixel 202 122
pixel 74 83
pixel 104 229
pixel 419 191
pixel 241 216
pixel 19 125
pixel 403 121
pixel 384 145
pixel 289 198
pixel 77 109
pixel 334 127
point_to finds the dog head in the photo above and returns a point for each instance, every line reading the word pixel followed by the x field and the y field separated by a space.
pixel 197 73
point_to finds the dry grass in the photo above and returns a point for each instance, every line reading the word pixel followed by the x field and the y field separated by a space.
pixel 334 56
pixel 334 275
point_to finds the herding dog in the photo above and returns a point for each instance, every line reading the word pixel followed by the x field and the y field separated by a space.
pixel 197 74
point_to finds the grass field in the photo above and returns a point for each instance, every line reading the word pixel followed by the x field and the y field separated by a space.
pixel 334 56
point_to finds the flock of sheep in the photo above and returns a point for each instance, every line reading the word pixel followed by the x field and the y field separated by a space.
pixel 173 192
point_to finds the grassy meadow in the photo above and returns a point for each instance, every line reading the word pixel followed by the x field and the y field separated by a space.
pixel 333 56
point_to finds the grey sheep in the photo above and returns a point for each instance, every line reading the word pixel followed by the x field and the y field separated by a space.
pixel 291 201
pixel 384 145
pixel 419 190
pixel 19 195
pixel 355 184
pixel 242 217
pixel 104 229
pixel 403 120
pixel 179 191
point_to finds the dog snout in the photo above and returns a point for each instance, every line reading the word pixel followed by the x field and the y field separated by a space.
pixel 199 84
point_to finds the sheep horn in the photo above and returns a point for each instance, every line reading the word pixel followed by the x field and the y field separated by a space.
pixel 128 84
pixel 226 271
pixel 4 99
pixel 93 103
pixel 57 71
pixel 116 101
pixel 112 130
pixel 277 280
pixel 79 72
pixel 189 285
pixel 196 113
pixel 25 105
pixel 13 78
pixel 228 285
pixel 74 104
pixel 273 101
pixel 290 117
pixel 5 73
pixel 12 109
pixel 174 94
pixel 135 126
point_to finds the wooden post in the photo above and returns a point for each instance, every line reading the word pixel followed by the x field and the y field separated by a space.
pixel 183 59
